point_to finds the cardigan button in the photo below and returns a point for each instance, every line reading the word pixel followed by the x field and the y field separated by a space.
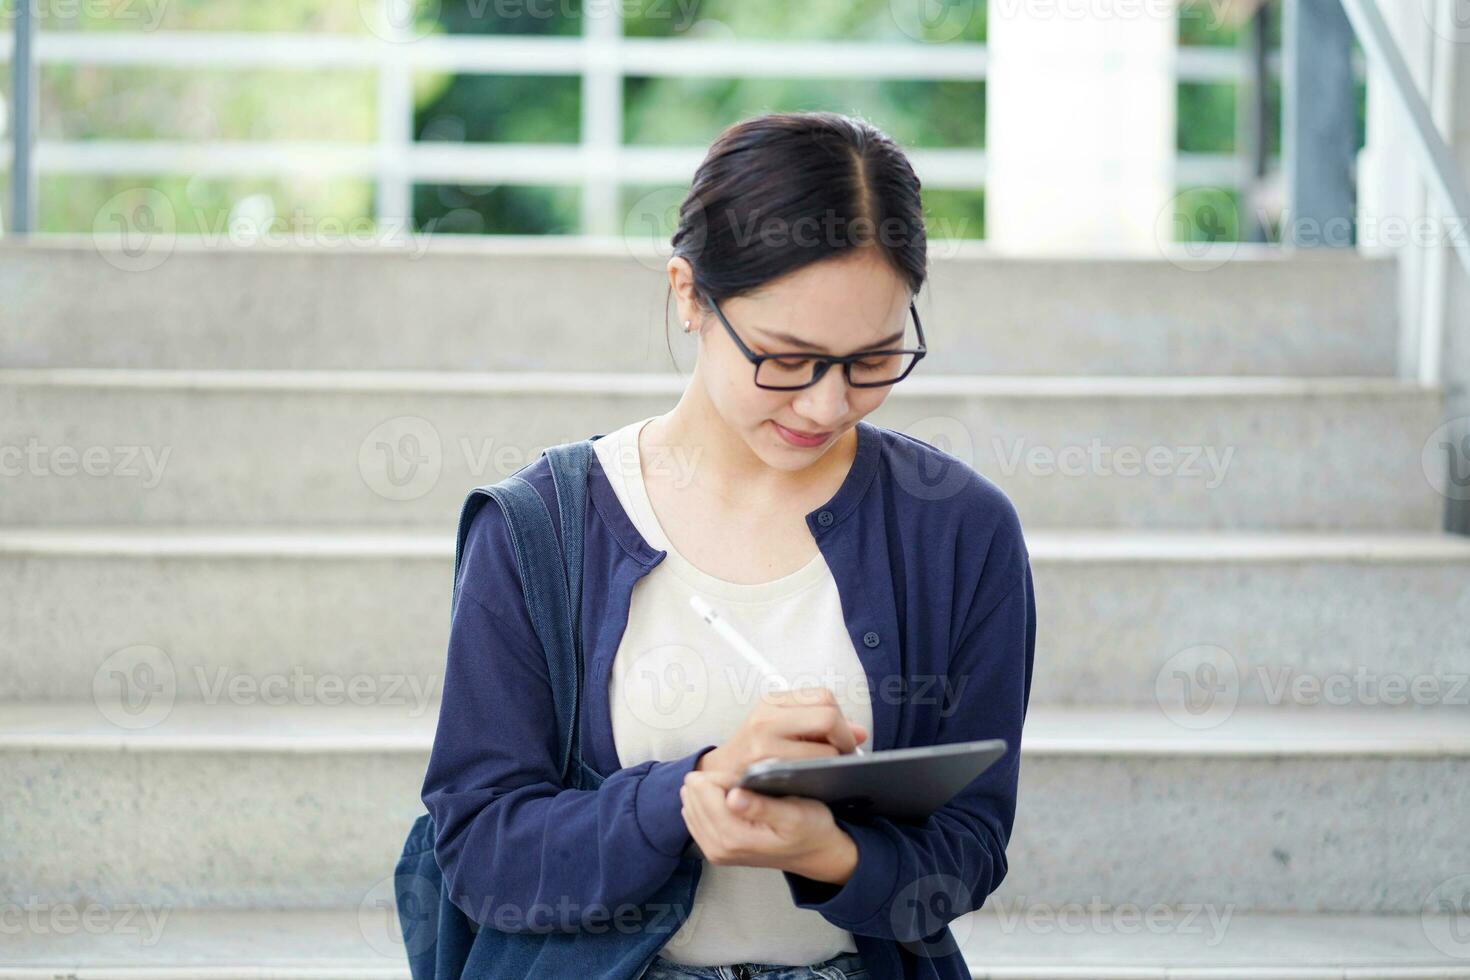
pixel 824 518
pixel 870 639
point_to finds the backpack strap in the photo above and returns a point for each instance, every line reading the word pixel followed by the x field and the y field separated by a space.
pixel 551 575
pixel 570 464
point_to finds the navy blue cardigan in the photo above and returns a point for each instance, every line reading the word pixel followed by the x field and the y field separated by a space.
pixel 935 583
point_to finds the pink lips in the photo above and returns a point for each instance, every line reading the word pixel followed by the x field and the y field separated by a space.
pixel 796 439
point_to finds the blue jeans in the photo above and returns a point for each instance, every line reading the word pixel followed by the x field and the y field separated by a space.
pixel 843 966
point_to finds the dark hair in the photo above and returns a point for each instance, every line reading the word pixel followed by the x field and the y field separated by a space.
pixel 784 190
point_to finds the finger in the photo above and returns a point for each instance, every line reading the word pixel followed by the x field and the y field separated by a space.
pixel 819 723
pixel 749 805
pixel 721 777
pixel 694 814
pixel 706 795
pixel 806 694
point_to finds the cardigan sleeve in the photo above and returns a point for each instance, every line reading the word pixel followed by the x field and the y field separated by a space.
pixel 913 877
pixel 518 852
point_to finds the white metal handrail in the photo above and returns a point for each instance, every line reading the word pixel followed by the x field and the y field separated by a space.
pixel 600 163
pixel 1435 158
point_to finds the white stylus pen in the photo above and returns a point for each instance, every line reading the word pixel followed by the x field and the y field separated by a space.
pixel 742 646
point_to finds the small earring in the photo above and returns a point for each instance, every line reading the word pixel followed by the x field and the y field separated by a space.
pixel 686 326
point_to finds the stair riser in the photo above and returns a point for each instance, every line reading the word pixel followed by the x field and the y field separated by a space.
pixel 193 457
pixel 309 829
pixel 1107 630
pixel 448 310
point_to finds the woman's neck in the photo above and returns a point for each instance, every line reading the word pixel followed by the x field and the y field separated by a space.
pixel 723 461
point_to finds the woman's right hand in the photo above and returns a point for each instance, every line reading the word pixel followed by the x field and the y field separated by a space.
pixel 796 723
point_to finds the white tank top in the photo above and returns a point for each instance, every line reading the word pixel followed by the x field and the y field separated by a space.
pixel 676 686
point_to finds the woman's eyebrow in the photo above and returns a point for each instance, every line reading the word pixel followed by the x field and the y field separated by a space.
pixel 787 338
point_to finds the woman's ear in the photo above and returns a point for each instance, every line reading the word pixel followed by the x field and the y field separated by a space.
pixel 681 281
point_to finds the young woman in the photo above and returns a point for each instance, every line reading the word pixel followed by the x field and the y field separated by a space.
pixel 886 580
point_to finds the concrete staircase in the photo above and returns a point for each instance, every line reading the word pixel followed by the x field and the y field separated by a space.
pixel 226 530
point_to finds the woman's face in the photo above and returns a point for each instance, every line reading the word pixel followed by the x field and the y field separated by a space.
pixel 840 306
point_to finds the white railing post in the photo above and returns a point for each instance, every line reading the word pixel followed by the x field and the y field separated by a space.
pixel 394 204
pixel 602 117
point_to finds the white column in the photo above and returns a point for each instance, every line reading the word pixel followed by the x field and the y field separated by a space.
pixel 1080 138
pixel 1392 192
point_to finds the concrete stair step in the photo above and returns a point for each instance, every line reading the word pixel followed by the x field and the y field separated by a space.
pixel 1155 942
pixel 1121 611
pixel 360 944
pixel 383 448
pixel 246 805
pixel 1113 944
pixel 523 304
pixel 168 943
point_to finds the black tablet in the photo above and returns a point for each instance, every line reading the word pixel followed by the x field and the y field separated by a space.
pixel 904 784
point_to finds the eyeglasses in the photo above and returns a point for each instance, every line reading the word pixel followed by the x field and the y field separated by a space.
pixel 864 369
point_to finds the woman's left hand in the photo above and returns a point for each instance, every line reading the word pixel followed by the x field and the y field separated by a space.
pixel 737 826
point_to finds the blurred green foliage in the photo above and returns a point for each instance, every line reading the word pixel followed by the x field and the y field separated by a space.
pixel 103 102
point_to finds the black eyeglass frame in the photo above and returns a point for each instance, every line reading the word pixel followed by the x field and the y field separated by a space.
pixel 825 361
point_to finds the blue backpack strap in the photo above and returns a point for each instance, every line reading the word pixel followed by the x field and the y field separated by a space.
pixel 552 588
pixel 569 468
pixel 441 942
